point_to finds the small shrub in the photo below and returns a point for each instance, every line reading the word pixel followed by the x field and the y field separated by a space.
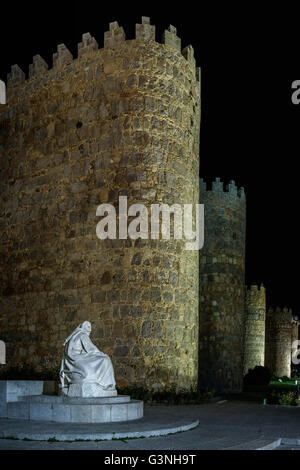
pixel 283 398
pixel 297 400
pixel 258 376
pixel 286 398
pixel 284 378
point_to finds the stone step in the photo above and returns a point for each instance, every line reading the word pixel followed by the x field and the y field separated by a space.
pixel 76 412
pixel 73 400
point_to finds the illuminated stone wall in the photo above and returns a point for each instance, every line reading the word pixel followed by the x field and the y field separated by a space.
pixel 121 120
pixel 222 287
pixel 278 341
pixel 255 326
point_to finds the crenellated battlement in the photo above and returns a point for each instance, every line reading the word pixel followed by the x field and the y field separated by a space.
pixel 38 66
pixel 280 315
pixel 15 77
pixel 145 31
pixel 255 288
pixel 217 186
pixel 62 57
pixel 171 39
pixel 256 295
pixel 113 39
pixel 279 310
pixel 114 36
pixel 88 44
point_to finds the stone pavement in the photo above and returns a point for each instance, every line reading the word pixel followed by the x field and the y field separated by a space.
pixel 224 425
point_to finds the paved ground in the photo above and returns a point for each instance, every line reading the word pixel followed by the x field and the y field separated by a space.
pixel 225 425
pixel 286 447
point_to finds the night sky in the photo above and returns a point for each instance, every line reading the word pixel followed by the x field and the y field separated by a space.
pixel 249 126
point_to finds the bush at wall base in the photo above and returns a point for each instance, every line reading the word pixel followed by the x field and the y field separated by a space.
pixel 258 376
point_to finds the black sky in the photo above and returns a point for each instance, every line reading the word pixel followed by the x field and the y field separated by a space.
pixel 249 127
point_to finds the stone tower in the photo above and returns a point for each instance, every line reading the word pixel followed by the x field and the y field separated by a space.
pixel 123 120
pixel 295 336
pixel 255 321
pixel 279 341
pixel 222 287
pixel 2 93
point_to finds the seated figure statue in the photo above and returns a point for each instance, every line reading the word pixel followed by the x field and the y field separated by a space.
pixel 85 371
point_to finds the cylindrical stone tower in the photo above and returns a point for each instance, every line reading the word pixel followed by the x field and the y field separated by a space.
pixel 222 287
pixel 123 120
pixel 278 341
pixel 255 322
pixel 295 336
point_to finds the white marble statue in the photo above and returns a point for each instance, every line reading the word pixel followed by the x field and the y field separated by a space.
pixel 85 371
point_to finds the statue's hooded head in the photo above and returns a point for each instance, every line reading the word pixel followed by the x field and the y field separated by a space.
pixel 84 327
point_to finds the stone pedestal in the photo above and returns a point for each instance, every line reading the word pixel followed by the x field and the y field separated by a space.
pixel 10 390
pixel 75 410
pixel 87 390
pixel 28 403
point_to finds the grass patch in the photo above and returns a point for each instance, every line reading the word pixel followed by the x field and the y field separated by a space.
pixel 284 391
pixel 286 384
pixel 289 384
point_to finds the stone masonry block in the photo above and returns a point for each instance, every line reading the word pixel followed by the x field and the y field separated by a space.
pixel 188 53
pixel 171 39
pixel 38 66
pixel 114 36
pixel 145 31
pixel 16 76
pixel 88 44
pixel 62 57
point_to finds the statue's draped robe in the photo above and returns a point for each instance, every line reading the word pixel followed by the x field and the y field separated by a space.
pixel 83 362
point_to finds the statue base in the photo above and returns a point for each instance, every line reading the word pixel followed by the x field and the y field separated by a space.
pixel 87 390
pixel 25 400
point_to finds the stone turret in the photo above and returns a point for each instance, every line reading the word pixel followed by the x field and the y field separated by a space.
pixel 123 120
pixel 255 320
pixel 295 335
pixel 222 286
pixel 2 92
pixel 279 341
